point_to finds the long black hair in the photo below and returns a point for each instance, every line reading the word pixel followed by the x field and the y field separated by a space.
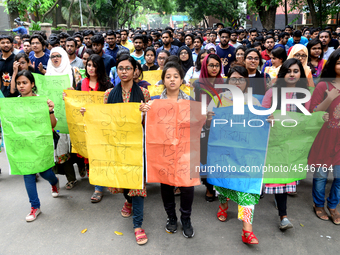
pixel 29 76
pixel 281 83
pixel 102 79
pixel 328 71
pixel 311 44
pixel 198 59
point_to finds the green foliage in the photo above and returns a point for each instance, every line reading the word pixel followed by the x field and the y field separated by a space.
pixel 35 26
pixel 32 6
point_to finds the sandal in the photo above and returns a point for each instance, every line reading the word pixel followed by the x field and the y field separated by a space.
pixel 141 237
pixel 320 212
pixel 126 210
pixel 335 216
pixel 250 237
pixel 97 197
pixel 223 213
pixel 70 184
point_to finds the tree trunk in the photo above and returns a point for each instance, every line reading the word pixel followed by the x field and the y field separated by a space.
pixel 286 13
pixel 312 13
pixel 206 22
pixel 49 11
pixel 69 14
pixel 267 14
pixel 13 14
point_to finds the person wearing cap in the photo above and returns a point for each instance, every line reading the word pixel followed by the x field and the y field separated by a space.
pixel 20 29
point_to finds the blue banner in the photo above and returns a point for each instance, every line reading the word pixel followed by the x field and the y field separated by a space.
pixel 237 149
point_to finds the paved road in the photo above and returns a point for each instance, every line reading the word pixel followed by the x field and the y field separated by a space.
pixel 58 229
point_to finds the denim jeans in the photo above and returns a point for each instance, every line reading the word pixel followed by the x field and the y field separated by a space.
pixel 137 209
pixel 98 188
pixel 319 186
pixel 31 185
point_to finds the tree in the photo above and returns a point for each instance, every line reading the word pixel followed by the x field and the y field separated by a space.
pixel 319 10
pixel 266 10
pixel 199 9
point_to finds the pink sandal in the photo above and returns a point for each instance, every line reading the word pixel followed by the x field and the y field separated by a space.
pixel 126 210
pixel 141 237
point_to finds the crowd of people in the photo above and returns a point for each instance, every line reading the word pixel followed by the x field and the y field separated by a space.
pixel 114 62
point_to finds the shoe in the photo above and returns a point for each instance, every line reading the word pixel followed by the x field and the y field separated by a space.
pixel 69 185
pixel 55 189
pixel 249 238
pixel 188 230
pixel 209 199
pixel 171 225
pixel 285 224
pixel 33 214
pixel 292 194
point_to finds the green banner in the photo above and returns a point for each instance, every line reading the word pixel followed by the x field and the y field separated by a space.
pixel 288 147
pixel 52 86
pixel 82 72
pixel 27 134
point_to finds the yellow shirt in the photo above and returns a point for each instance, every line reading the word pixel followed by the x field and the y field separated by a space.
pixel 128 45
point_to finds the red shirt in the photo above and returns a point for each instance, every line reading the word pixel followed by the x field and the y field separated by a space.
pixel 265 55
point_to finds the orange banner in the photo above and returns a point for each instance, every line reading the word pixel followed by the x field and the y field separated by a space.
pixel 173 142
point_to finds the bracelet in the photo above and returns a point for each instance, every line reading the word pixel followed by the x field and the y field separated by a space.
pixel 51 112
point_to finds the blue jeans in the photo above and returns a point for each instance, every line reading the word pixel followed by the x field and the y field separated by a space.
pixel 137 208
pixel 319 185
pixel 31 185
pixel 98 188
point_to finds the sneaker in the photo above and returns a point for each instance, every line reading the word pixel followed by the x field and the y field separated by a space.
pixel 285 224
pixel 55 189
pixel 188 231
pixel 171 225
pixel 33 214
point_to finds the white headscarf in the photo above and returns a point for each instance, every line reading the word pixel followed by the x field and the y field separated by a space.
pixel 63 68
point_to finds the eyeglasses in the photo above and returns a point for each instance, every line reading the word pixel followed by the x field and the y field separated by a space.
pixel 55 56
pixel 251 59
pixel 127 69
pixel 161 59
pixel 183 53
pixel 240 55
pixel 237 80
pixel 300 56
pixel 214 66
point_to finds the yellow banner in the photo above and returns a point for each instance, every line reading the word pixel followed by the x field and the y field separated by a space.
pixel 114 137
pixel 152 77
pixel 157 90
pixel 74 100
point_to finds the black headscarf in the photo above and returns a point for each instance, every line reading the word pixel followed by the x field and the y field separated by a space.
pixel 116 95
pixel 186 65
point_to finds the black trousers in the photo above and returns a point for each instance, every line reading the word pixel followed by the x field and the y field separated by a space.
pixel 168 197
pixel 281 200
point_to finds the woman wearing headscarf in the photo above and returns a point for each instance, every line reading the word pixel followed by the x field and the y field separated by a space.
pixel 300 52
pixel 185 56
pixel 59 64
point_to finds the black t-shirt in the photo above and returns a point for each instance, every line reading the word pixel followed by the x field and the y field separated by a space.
pixel 176 42
pixel 6 72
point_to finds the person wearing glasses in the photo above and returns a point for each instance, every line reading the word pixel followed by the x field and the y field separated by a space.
pixel 39 59
pixel 300 52
pixel 59 64
pixel 21 62
pixel 161 58
pixel 185 56
pixel 258 81
pixel 237 76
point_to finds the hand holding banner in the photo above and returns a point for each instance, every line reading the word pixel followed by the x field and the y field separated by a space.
pixel 114 137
